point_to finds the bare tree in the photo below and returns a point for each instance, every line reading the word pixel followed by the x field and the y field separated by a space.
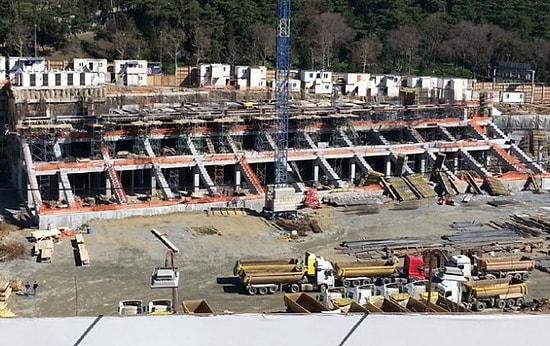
pixel 172 39
pixel 403 43
pixel 200 40
pixel 262 37
pixel 326 33
pixel 367 50
pixel 20 37
pixel 126 41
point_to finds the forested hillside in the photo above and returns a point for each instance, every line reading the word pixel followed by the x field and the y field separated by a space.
pixel 460 37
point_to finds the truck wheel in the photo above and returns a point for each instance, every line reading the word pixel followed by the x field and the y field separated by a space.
pixel 386 281
pixel 262 291
pixel 501 304
pixel 346 283
pixel 518 276
pixel 480 306
pixel 367 282
pixel 294 288
pixel 355 283
pixel 272 289
pixel 525 277
pixel 510 303
pixel 520 301
pixel 252 291
pixel 323 288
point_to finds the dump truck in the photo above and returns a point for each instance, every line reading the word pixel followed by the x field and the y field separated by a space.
pixel 351 274
pixel 482 294
pixel 517 266
pixel 264 265
pixel 316 274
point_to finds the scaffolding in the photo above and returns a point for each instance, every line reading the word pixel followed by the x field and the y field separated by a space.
pixel 306 125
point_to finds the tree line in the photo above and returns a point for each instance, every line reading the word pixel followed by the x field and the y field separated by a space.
pixel 453 37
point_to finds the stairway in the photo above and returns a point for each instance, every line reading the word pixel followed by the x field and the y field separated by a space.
pixel 157 171
pixel 345 137
pixel 57 151
pixel 299 184
pixel 270 140
pixel 380 137
pixel 309 140
pixel 202 169
pixel 327 168
pixel 510 161
pixel 363 164
pixel 414 134
pixel 232 144
pixel 66 185
pixel 446 134
pixel 112 174
pixel 406 168
pixel 251 176
pixel 31 176
pixel 431 155
pixel 479 132
pixel 526 160
pixel 210 145
pixel 497 130
pixel 473 164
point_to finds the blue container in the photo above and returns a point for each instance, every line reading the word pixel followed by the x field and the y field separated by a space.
pixel 89 230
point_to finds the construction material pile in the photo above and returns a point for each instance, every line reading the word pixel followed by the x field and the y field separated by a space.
pixel 12 250
pixel 300 225
pixel 5 292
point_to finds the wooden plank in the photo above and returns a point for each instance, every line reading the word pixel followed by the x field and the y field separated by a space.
pixel 79 238
pixel 46 255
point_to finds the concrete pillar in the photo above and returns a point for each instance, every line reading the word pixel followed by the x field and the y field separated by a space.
pixel 153 183
pixel 60 189
pixel 237 178
pixel 422 165
pixel 196 180
pixel 108 188
pixel 315 173
pixel 387 162
pixel 455 164
pixel 352 171
pixel 30 201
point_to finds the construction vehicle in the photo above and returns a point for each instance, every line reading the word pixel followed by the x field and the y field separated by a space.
pixel 476 267
pixel 316 274
pixel 130 307
pixel 160 307
pixel 353 274
pixel 482 294
pixel 264 265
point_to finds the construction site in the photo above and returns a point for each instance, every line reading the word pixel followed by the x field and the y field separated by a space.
pixel 111 155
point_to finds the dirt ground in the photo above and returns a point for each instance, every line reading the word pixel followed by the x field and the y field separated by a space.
pixel 123 254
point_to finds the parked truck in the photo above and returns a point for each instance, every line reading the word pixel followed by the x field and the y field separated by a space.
pixel 351 274
pixel 264 265
pixel 482 294
pixel 517 266
pixel 316 274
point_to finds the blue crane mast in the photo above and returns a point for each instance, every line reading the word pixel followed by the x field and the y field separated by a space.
pixel 282 92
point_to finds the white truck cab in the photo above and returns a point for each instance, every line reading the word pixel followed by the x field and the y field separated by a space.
pixel 463 263
pixel 361 294
pixel 324 272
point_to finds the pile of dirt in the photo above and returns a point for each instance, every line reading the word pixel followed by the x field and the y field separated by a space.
pixel 12 250
pixel 541 305
pixel 301 225
pixel 206 230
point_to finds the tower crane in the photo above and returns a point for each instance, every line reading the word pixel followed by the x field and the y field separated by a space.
pixel 282 92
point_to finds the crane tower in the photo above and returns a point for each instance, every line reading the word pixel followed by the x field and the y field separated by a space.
pixel 282 92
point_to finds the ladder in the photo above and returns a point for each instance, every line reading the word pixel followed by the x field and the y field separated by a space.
pixel 270 141
pixel 66 185
pixel 210 145
pixel 157 171
pixel 327 168
pixel 345 137
pixel 474 165
pixel 251 176
pixel 232 144
pixel 479 132
pixel 112 174
pixel 509 160
pixel 415 135
pixel 380 137
pixel 526 160
pixel 202 168
pixel 448 136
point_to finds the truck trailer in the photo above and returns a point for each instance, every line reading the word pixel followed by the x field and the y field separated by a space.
pixel 264 265
pixel 517 267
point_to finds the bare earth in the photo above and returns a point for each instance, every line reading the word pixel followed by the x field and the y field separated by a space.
pixel 123 254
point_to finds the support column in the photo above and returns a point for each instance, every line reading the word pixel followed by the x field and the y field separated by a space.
pixel 237 178
pixel 352 171
pixel 455 165
pixel 315 174
pixel 30 203
pixel 153 184
pixel 108 188
pixel 387 162
pixel 422 165
pixel 196 179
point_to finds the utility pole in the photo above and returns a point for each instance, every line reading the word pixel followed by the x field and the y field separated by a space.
pixel 35 46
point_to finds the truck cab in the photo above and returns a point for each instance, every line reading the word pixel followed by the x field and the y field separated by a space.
pixel 450 290
pixel 361 294
pixel 321 270
pixel 414 268
pixel 463 263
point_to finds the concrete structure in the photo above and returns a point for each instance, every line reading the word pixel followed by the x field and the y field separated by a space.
pixel 130 72
pixel 512 97
pixel 250 77
pixel 20 69
pixel 90 65
pixel 214 75
pixel 386 85
pixel 317 82
pixel 358 84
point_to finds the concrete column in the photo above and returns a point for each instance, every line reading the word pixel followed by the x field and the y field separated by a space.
pixel 387 162
pixel 60 190
pixel 30 200
pixel 237 178
pixel 422 165
pixel 352 171
pixel 196 180
pixel 108 188
pixel 153 183
pixel 315 173
pixel 455 165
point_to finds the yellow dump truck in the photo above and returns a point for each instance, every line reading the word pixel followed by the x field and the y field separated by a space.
pixel 506 266
pixel 364 273
pixel 264 265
